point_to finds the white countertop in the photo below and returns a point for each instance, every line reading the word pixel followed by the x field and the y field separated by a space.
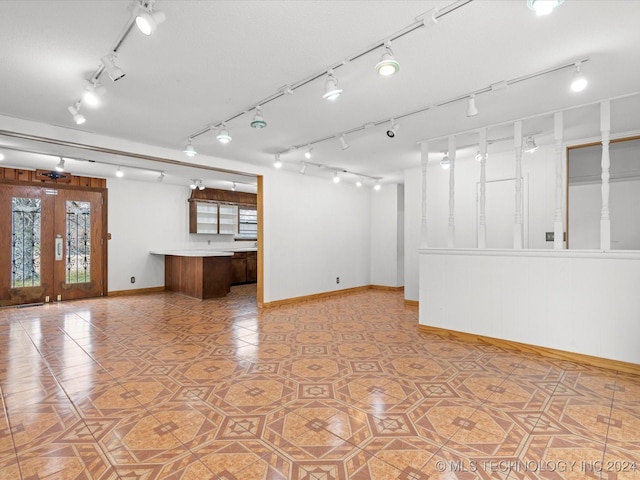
pixel 203 252
pixel 193 253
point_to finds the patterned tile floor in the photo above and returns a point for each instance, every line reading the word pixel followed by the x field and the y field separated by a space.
pixel 165 387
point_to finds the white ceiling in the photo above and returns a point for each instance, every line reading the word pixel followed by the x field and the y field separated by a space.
pixel 211 60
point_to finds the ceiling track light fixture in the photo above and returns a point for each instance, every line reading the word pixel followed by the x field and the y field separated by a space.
pixel 194 184
pixel 445 163
pixel 331 89
pixel 92 92
pixel 189 150
pixel 114 71
pixel 530 145
pixel 119 173
pixel 393 129
pixel 258 121
pixel 277 163
pixel 307 154
pixel 2 157
pixel 303 170
pixel 148 18
pixel 359 182
pixel 479 156
pixel 233 186
pixel 60 165
pixel 472 110
pixel 223 134
pixel 579 82
pixel 388 65
pixel 161 177
pixel 543 7
pixel 74 110
pixel 200 185
pixel 336 177
pixel 343 142
pixel 377 186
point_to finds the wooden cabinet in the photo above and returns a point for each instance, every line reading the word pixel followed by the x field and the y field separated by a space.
pixel 252 267
pixel 213 218
pixel 244 268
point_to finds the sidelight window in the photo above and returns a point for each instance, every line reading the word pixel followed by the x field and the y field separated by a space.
pixel 25 242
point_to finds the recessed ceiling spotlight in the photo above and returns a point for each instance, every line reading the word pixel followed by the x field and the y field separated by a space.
pixel 393 129
pixel 472 110
pixel 277 163
pixel 343 142
pixel 119 173
pixel 92 93
pixel 114 71
pixel 60 165
pixel 77 116
pixel 336 177
pixel 530 145
pixel 258 120
pixel 307 154
pixel 579 81
pixel 331 90
pixel 445 163
pixel 189 150
pixel 223 134
pixel 543 7
pixel 148 19
pixel 388 65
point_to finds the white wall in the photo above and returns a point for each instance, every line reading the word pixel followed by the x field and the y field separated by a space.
pixel 315 231
pixel 387 227
pixel 412 226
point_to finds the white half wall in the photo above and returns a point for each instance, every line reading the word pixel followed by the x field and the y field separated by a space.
pixel 577 301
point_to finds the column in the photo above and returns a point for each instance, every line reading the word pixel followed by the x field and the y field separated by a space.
pixel 517 225
pixel 605 219
pixel 451 238
pixel 558 229
pixel 424 151
pixel 482 227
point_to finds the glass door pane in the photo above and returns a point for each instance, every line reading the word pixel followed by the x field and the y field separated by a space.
pixel 26 225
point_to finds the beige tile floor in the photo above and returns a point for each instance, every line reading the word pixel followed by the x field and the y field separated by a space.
pixel 165 387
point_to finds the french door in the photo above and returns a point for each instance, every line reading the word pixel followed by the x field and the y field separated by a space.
pixel 52 244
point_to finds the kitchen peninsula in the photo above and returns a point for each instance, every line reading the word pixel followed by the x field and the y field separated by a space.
pixel 197 273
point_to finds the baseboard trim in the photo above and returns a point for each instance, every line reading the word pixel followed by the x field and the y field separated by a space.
pixel 607 363
pixel 411 303
pixel 386 288
pixel 316 296
pixel 137 291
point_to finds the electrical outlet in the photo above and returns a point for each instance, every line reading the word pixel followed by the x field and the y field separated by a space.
pixel 337 279
pixel 133 279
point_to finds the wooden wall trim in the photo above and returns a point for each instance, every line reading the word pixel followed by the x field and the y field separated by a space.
pixel 600 362
pixel 224 196
pixel 387 288
pixel 19 176
pixel 315 296
pixel 137 291
pixel 411 303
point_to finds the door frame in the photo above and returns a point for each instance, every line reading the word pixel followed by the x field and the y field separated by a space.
pixel 103 220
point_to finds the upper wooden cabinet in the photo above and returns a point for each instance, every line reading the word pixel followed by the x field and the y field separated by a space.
pixel 214 211
pixel 213 218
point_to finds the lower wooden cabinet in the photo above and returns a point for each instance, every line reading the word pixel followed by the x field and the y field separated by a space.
pixel 244 268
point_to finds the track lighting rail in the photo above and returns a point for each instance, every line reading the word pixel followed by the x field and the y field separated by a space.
pixel 420 22
pixel 442 103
